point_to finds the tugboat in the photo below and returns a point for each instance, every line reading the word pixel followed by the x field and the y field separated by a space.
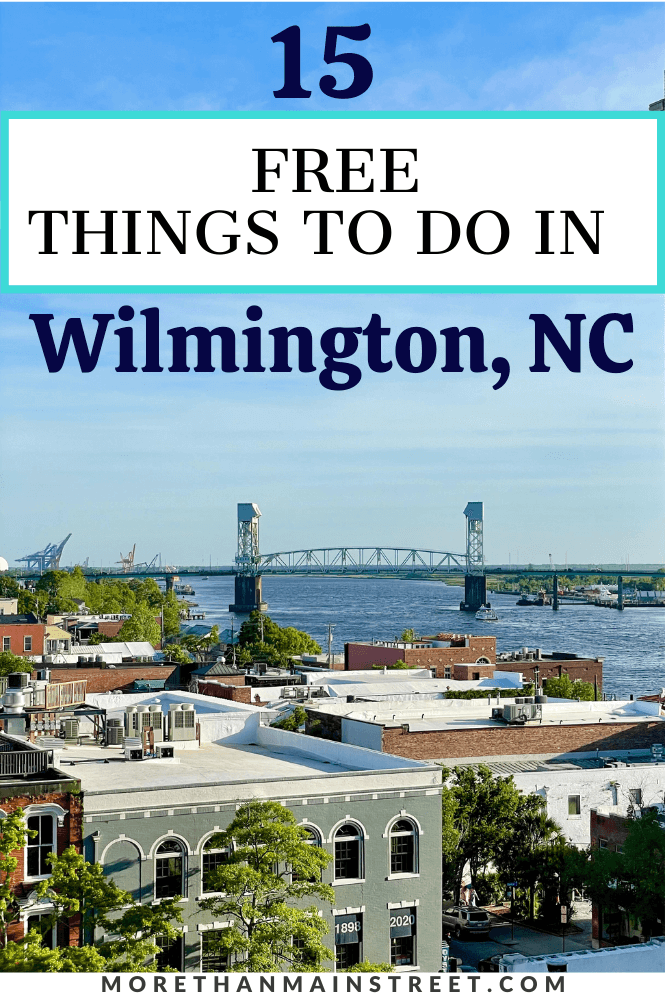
pixel 486 613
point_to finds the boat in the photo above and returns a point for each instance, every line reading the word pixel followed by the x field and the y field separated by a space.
pixel 486 613
pixel 526 601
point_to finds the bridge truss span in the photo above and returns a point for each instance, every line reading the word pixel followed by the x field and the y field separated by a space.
pixel 362 561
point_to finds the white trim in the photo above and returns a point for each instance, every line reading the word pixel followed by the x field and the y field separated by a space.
pixel 347 881
pixel 342 822
pixel 403 814
pixel 313 826
pixel 206 837
pixel 347 910
pixel 46 809
pixel 122 839
pixel 216 925
pixel 393 877
pixel 402 905
pixel 168 836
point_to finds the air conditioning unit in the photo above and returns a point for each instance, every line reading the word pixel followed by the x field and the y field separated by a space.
pixel 71 729
pixel 165 751
pixel 115 733
pixel 142 717
pixel 133 748
pixel 182 723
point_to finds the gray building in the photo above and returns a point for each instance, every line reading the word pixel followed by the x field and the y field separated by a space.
pixel 149 821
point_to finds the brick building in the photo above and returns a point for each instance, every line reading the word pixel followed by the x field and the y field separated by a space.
pixel 22 635
pixel 454 729
pixel 102 678
pixel 53 807
pixel 224 689
pixel 536 666
pixel 443 653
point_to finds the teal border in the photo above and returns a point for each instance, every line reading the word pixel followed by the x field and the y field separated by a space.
pixel 7 116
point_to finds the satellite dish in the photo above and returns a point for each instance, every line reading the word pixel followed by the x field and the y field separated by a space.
pixel 4 565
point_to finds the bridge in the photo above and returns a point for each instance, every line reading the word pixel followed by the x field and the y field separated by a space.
pixel 366 561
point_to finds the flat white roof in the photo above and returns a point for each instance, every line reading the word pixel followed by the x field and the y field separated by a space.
pixel 452 713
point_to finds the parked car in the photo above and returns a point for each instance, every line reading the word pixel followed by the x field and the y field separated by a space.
pixel 466 920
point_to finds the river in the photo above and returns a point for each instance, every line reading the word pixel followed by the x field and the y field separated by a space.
pixel 632 642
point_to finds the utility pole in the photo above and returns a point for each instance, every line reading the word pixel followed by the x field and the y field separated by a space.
pixel 233 648
pixel 331 626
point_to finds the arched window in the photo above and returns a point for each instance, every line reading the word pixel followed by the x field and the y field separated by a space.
pixel 348 852
pixel 403 848
pixel 313 840
pixel 169 869
pixel 211 859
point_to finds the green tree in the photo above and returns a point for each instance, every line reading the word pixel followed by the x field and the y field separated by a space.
pixel 79 891
pixel 293 722
pixel 141 627
pixel 176 653
pixel 408 635
pixel 563 687
pixel 11 664
pixel 13 837
pixel 9 587
pixel 520 857
pixel 481 811
pixel 371 967
pixel 267 933
pixel 268 642
pixel 171 615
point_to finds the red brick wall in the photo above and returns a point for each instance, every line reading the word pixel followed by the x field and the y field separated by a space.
pixel 359 656
pixel 614 829
pixel 232 692
pixel 472 671
pixel 101 680
pixel 69 834
pixel 110 629
pixel 577 670
pixel 16 635
pixel 494 741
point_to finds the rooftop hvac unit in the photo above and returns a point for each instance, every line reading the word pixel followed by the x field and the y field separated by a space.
pixel 133 748
pixel 18 681
pixel 71 729
pixel 165 751
pixel 144 717
pixel 115 733
pixel 182 722
pixel 519 714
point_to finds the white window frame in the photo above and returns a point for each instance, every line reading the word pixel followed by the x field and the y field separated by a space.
pixel 57 814
pixel 215 850
pixel 184 854
pixel 415 833
pixel 349 821
pixel 27 644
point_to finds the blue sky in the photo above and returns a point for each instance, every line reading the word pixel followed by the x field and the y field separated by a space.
pixel 565 463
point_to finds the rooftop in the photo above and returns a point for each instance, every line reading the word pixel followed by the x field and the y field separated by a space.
pixel 565 762
pixel 254 757
pixel 449 714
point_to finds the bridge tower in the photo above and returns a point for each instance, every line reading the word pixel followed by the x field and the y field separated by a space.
pixel 248 595
pixel 475 581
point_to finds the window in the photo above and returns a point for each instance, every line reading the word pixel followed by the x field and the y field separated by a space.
pixel 476 675
pixel 6 644
pixel 615 795
pixel 635 796
pixel 348 852
pixel 313 840
pixel 214 957
pixel 46 926
pixel 41 845
pixel 169 869
pixel 447 673
pixel 348 939
pixel 403 936
pixel 27 643
pixel 170 956
pixel 602 844
pixel 403 847
pixel 211 859
pixel 574 805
